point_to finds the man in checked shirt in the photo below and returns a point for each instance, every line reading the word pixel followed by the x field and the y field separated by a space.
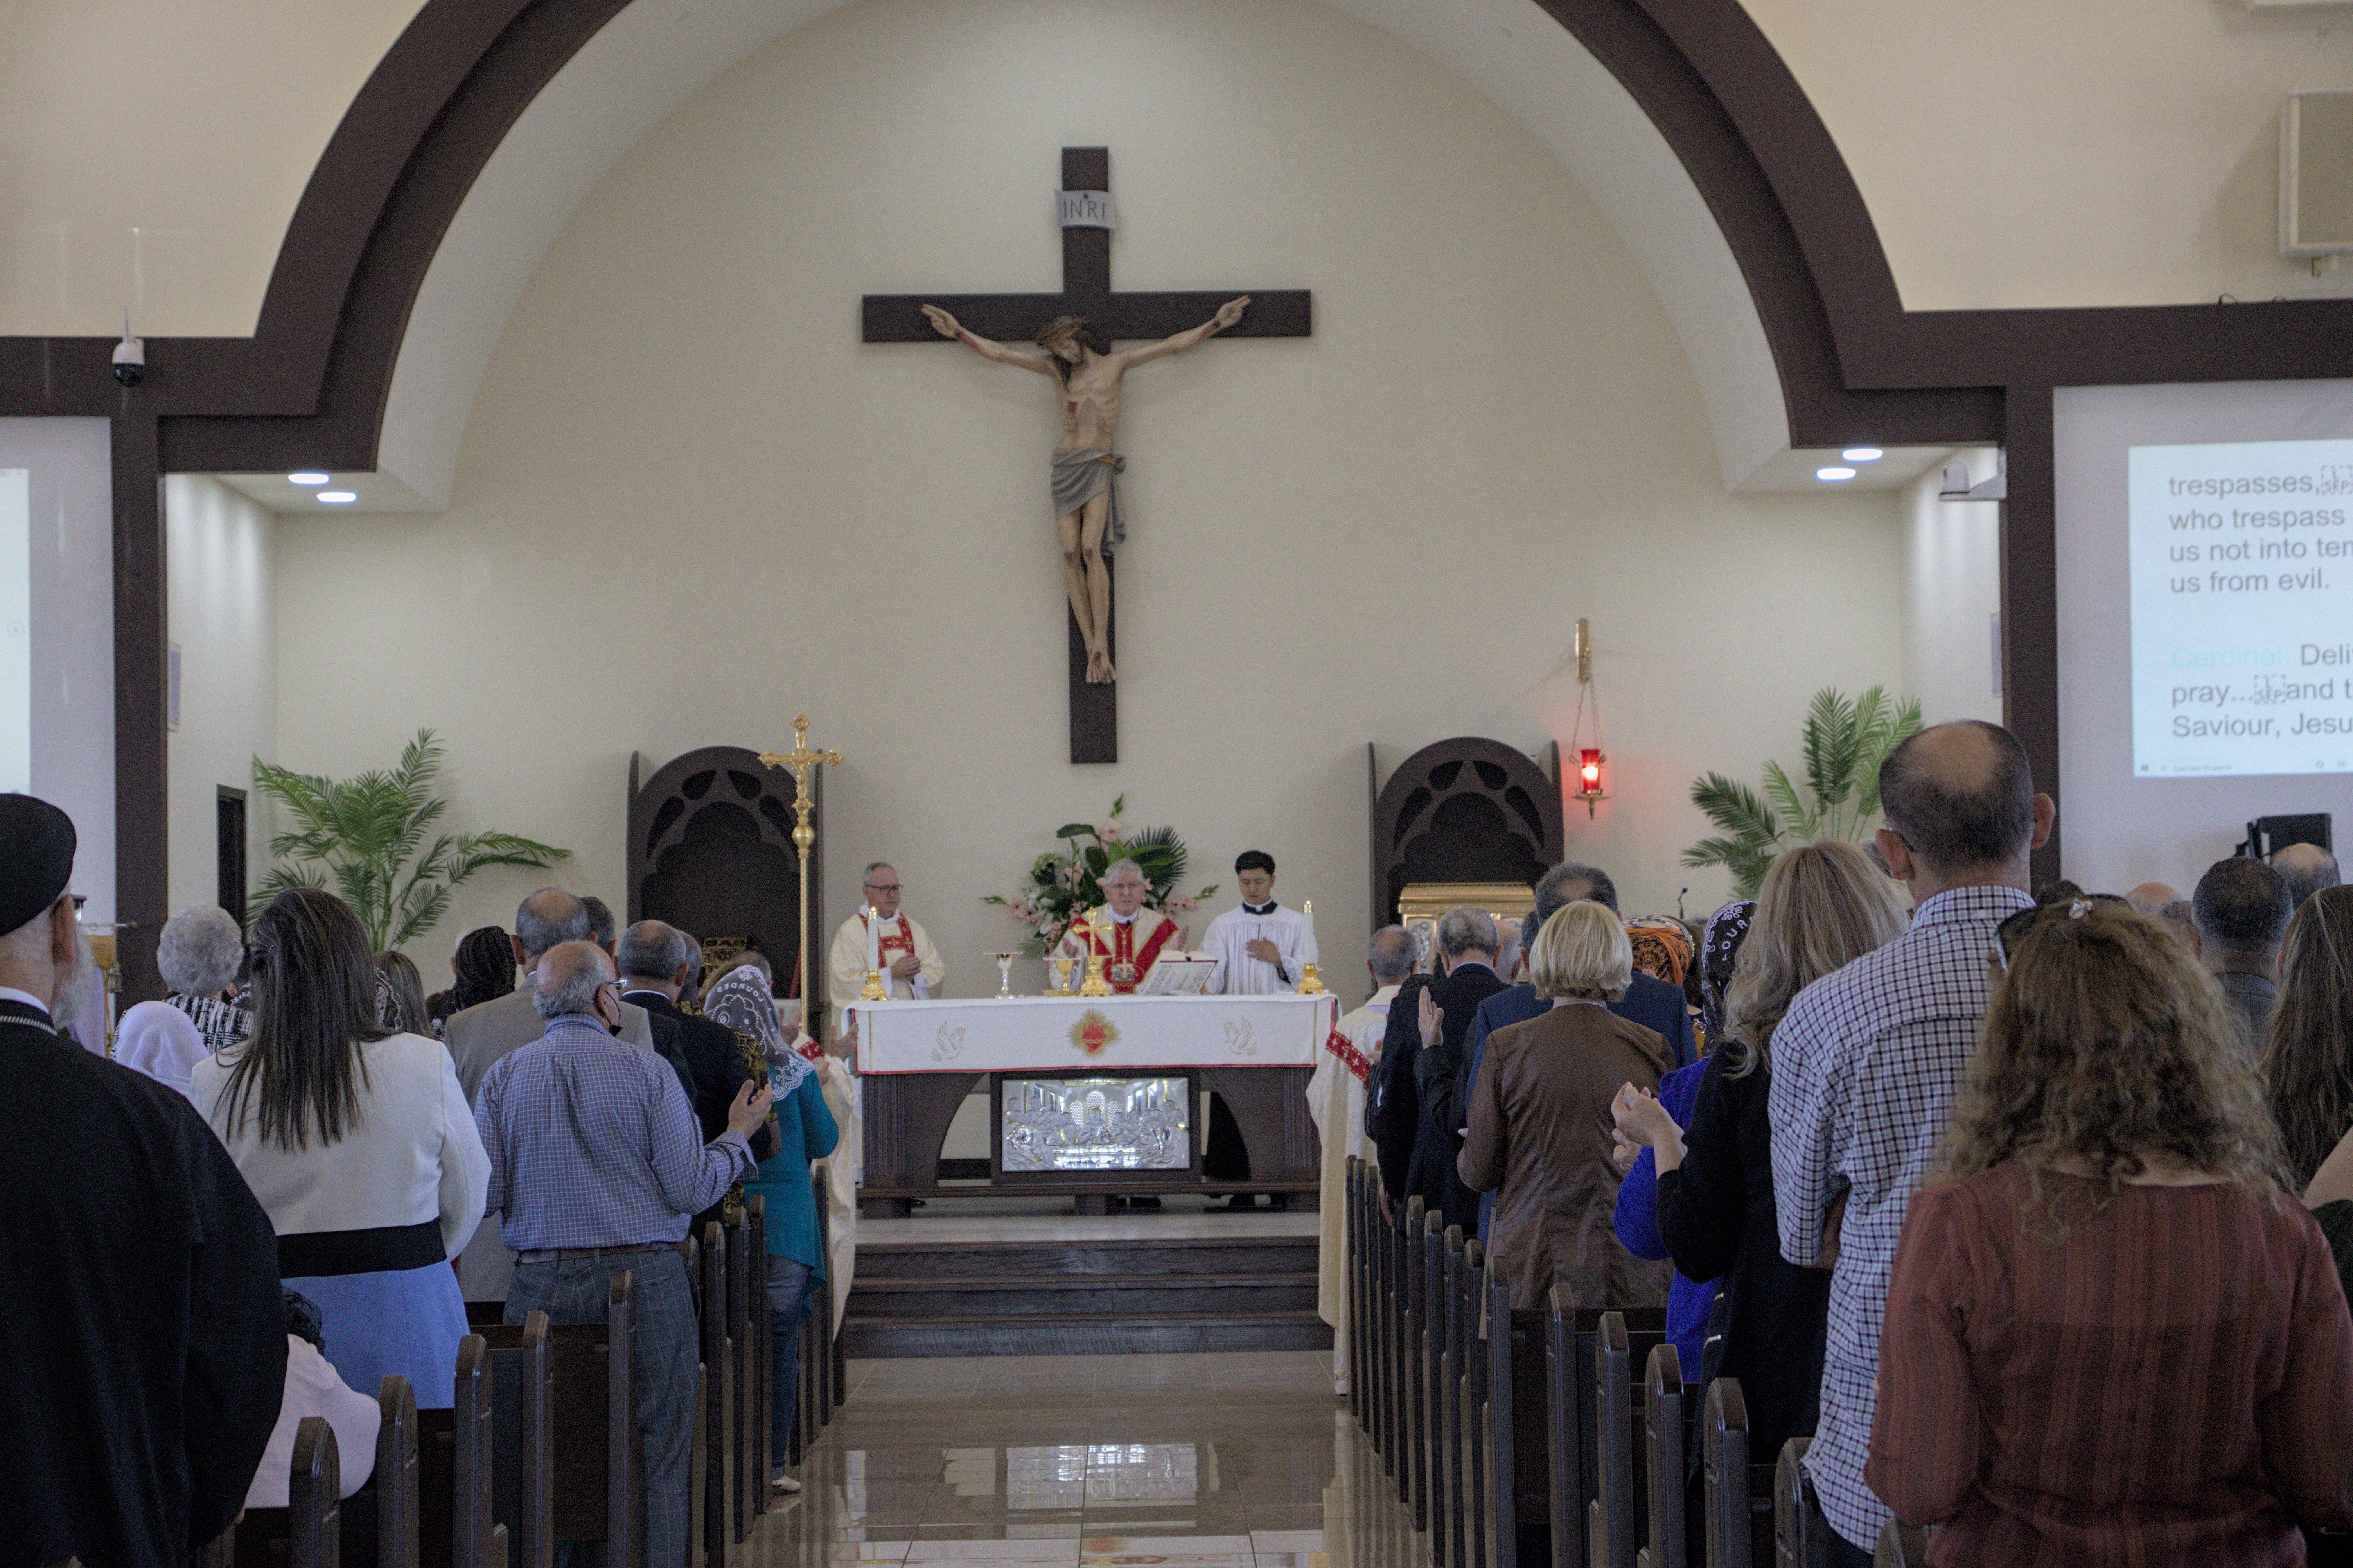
pixel 1867 1061
pixel 597 1164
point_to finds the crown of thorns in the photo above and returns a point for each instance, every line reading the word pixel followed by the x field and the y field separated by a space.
pixel 1061 327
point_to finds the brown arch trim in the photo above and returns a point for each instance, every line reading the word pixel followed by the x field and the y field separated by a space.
pixel 309 388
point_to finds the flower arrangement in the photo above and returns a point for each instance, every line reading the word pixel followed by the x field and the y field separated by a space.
pixel 1065 882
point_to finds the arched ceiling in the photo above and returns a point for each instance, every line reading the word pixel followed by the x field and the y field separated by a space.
pixel 655 55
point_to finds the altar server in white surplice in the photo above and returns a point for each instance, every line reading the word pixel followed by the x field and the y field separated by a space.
pixel 1335 1101
pixel 911 967
pixel 1256 946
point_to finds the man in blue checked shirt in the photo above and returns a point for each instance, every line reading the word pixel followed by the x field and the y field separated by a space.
pixel 596 1165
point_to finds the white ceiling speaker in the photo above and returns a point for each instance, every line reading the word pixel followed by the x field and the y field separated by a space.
pixel 2316 201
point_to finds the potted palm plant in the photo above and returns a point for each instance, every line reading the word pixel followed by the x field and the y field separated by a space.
pixel 366 836
pixel 1844 743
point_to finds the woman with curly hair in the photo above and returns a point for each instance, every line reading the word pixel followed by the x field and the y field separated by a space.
pixel 2309 1044
pixel 2111 1336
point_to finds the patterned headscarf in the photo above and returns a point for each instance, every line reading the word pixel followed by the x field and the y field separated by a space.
pixel 1719 951
pixel 1663 948
pixel 740 1000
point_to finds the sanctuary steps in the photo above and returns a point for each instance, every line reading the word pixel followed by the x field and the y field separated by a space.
pixel 1074 1294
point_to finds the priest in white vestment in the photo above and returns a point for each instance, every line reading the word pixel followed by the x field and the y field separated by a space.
pixel 1258 946
pixel 911 967
pixel 1335 1101
pixel 1130 937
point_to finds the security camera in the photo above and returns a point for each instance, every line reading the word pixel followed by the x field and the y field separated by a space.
pixel 130 356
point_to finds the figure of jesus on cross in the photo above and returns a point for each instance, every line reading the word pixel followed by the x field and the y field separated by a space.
pixel 1086 495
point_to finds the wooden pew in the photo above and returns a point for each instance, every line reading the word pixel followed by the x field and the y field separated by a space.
pixel 1471 1519
pixel 1447 1476
pixel 521 1371
pixel 1517 1445
pixel 1410 1281
pixel 1665 1545
pixel 1389 1330
pixel 1728 1508
pixel 1611 1522
pixel 375 1526
pixel 1352 1285
pixel 1571 1337
pixel 396 1477
pixel 698 1462
pixel 314 1492
pixel 595 1457
pixel 1798 1530
pixel 744 1502
pixel 718 1433
pixel 1429 1466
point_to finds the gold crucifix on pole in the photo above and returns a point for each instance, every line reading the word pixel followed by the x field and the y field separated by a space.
pixel 801 762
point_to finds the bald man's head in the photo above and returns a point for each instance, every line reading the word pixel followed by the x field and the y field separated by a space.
pixel 1961 797
pixel 546 917
pixel 568 979
pixel 2150 898
pixel 2306 867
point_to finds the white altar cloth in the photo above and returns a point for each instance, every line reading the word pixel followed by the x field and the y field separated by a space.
pixel 1032 1034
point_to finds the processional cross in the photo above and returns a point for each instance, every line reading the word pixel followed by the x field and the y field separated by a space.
pixel 801 762
pixel 1176 320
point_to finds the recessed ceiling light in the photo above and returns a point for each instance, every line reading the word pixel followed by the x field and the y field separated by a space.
pixel 346 497
pixel 1831 476
pixel 307 478
pixel 1862 455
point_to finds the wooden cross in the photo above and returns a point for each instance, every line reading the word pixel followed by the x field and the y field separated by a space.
pixel 1087 292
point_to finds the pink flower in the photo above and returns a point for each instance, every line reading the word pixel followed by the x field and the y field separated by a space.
pixel 1108 830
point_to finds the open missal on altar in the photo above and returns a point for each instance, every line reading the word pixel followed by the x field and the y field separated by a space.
pixel 1178 975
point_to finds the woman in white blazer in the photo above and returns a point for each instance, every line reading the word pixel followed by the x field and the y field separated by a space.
pixel 359 1143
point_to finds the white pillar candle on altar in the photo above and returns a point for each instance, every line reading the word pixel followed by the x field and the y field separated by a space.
pixel 873 940
pixel 1307 932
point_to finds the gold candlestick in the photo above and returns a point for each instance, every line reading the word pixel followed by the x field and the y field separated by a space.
pixel 801 762
pixel 874 992
pixel 1310 982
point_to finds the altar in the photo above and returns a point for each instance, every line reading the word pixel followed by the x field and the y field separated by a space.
pixel 1091 1097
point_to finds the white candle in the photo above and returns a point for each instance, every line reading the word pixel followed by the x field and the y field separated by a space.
pixel 873 940
pixel 1307 932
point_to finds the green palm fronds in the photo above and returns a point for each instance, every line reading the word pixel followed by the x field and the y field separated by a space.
pixel 1844 741
pixel 366 837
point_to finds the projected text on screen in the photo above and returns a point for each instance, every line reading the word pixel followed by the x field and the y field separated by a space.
pixel 2242 608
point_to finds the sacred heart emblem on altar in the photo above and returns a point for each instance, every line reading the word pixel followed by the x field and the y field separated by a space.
pixel 1094 1033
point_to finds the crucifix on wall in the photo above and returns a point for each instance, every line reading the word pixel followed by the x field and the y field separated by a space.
pixel 1074 332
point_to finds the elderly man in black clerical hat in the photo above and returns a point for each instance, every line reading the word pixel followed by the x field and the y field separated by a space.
pixel 146 1351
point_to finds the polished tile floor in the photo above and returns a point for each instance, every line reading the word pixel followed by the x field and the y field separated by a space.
pixel 1168 1461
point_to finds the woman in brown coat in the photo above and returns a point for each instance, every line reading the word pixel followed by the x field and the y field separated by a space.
pixel 1540 1123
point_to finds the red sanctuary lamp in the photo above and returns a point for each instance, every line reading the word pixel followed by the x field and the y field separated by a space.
pixel 1589 759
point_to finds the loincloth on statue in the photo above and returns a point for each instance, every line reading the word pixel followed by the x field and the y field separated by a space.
pixel 1083 473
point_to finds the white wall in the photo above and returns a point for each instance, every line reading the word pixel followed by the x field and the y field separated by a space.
pixel 221 554
pixel 72 595
pixel 1952 589
pixel 691 503
pixel 2011 151
pixel 2017 153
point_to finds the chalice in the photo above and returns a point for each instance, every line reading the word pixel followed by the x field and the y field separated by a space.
pixel 1004 974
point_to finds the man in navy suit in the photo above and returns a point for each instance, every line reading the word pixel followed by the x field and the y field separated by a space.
pixel 1649 1002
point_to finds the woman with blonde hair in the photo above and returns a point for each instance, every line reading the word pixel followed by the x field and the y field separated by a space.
pixel 2110 1337
pixel 1539 1121
pixel 1821 906
pixel 2307 1056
